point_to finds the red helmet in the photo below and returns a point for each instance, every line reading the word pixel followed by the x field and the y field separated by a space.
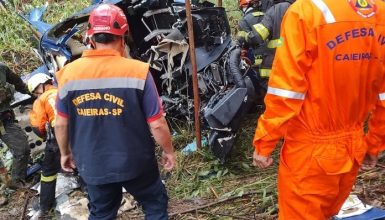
pixel 246 3
pixel 107 18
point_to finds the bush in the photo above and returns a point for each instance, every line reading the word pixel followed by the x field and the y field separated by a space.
pixel 16 38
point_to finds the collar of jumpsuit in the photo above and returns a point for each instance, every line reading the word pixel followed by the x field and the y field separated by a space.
pixel 101 52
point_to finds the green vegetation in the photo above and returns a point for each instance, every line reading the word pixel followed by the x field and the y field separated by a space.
pixel 200 176
pixel 16 38
pixel 233 12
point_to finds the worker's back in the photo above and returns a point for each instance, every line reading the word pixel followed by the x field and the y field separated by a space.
pixel 44 110
pixel 336 66
pixel 108 128
pixel 327 76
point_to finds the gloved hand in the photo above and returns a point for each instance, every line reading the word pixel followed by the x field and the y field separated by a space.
pixel 242 37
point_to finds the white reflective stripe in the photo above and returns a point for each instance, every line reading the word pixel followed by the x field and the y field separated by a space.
pixel 325 11
pixel 286 93
pixel 102 83
pixel 381 96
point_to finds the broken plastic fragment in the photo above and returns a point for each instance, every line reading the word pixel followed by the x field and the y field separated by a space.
pixel 192 147
pixel 353 206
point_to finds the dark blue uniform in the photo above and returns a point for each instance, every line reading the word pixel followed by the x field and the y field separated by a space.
pixel 109 101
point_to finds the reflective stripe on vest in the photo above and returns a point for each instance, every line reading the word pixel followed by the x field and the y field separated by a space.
pixel 264 72
pixel 381 96
pixel 48 179
pixel 258 13
pixel 103 83
pixel 275 43
pixel 329 18
pixel 261 30
pixel 286 93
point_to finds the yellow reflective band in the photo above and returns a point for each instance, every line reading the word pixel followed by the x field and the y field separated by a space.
pixel 264 72
pixel 275 43
pixel 258 13
pixel 258 61
pixel 261 30
pixel 47 178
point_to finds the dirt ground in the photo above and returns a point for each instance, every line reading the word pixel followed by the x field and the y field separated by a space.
pixel 250 204
pixel 370 187
pixel 242 208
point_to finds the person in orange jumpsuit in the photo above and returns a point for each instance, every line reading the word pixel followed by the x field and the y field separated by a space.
pixel 327 78
pixel 42 119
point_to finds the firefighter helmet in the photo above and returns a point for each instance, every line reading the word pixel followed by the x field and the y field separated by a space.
pixel 107 18
pixel 36 80
pixel 248 3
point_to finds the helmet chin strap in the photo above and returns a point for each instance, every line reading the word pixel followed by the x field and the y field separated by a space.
pixel 44 85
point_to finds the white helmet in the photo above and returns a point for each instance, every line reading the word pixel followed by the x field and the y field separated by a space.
pixel 36 80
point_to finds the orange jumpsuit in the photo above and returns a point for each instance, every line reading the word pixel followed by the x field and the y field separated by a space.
pixel 44 110
pixel 327 76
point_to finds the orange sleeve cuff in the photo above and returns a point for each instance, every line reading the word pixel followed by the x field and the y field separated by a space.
pixel 373 145
pixel 264 148
pixel 374 150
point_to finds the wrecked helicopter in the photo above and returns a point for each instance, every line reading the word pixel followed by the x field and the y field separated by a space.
pixel 228 87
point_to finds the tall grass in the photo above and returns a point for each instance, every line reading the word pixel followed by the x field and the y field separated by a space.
pixel 16 39
pixel 233 12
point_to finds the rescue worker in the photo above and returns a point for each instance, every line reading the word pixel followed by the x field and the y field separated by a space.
pixel 267 30
pixel 10 132
pixel 328 75
pixel 42 119
pixel 108 107
pixel 252 15
pixel 253 11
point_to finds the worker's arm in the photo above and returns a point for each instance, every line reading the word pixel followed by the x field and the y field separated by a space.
pixel 161 132
pixel 61 133
pixel 14 79
pixel 38 118
pixel 262 31
pixel 243 25
pixel 245 29
pixel 375 138
pixel 287 84
pixel 158 125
